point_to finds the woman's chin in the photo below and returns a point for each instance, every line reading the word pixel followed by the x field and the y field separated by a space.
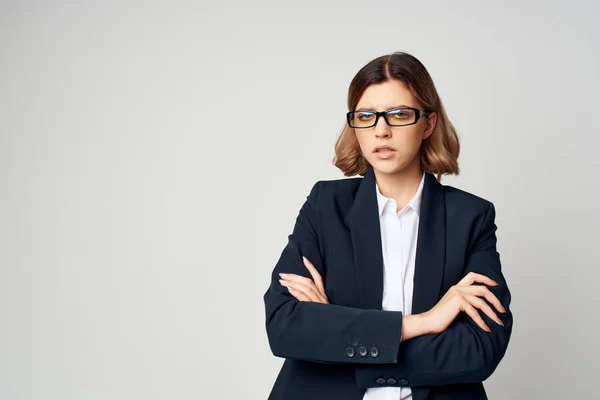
pixel 386 165
pixel 390 168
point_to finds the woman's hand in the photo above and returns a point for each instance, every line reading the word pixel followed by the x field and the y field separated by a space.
pixel 304 289
pixel 464 297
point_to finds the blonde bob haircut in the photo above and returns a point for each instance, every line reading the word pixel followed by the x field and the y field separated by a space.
pixel 439 152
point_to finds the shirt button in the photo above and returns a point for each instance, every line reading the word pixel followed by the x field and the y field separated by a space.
pixel 374 351
pixel 362 351
pixel 350 352
pixel 380 381
pixel 391 381
pixel 403 382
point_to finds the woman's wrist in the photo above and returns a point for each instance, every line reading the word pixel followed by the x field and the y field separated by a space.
pixel 413 326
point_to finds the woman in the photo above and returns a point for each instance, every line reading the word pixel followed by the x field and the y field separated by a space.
pixel 390 285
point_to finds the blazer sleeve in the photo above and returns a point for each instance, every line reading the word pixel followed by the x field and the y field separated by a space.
pixel 463 352
pixel 325 333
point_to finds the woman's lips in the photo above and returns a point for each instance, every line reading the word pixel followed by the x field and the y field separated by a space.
pixel 384 153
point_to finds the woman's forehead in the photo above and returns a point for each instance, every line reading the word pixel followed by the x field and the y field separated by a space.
pixel 386 95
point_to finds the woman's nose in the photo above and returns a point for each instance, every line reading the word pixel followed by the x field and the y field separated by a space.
pixel 382 129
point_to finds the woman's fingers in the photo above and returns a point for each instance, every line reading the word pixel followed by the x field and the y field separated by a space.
pixel 483 306
pixel 303 285
pixel 468 298
pixel 473 277
pixel 298 295
pixel 303 280
pixel 315 275
pixel 483 291
pixel 296 278
pixel 304 295
pixel 309 290
pixel 474 314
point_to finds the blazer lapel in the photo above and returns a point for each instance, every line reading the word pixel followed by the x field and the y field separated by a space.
pixel 431 246
pixel 363 221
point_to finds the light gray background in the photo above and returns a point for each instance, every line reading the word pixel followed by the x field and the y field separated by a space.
pixel 153 161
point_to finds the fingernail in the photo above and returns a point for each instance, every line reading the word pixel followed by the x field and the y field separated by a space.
pixel 282 274
pixel 303 259
pixel 282 282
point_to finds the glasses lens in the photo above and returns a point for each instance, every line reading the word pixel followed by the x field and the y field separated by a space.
pixel 401 116
pixel 362 119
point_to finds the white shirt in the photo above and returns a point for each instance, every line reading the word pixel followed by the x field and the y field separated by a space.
pixel 399 232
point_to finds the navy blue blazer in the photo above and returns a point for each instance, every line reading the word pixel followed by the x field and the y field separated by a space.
pixel 337 229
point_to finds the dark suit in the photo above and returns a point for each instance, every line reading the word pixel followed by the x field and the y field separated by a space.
pixel 337 229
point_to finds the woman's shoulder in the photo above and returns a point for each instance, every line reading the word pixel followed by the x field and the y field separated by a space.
pixel 461 201
pixel 331 188
pixel 327 193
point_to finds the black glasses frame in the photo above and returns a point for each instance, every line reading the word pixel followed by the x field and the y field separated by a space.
pixel 384 114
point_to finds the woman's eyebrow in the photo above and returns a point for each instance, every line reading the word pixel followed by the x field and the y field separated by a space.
pixel 390 108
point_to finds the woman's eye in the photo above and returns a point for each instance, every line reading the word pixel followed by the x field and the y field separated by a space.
pixel 364 116
pixel 401 114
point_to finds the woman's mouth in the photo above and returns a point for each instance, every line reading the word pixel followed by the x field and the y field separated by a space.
pixel 384 153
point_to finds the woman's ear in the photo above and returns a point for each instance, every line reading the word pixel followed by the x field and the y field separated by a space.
pixel 431 121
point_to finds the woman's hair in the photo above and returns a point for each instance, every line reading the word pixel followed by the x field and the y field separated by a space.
pixel 439 152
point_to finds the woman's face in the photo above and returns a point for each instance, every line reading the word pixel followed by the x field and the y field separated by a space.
pixel 404 140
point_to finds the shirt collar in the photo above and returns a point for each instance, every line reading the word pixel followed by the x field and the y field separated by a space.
pixel 414 203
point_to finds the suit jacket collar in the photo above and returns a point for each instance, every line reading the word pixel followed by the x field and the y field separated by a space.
pixel 363 222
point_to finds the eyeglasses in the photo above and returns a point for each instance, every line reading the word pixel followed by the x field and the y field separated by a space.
pixel 395 117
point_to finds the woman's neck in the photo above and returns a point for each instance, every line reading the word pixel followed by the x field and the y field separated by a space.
pixel 400 186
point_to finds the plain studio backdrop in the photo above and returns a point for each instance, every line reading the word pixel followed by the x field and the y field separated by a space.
pixel 154 157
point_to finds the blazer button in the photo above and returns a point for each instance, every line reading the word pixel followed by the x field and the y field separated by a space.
pixel 403 382
pixel 374 351
pixel 391 381
pixel 380 381
pixel 350 352
pixel 362 351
